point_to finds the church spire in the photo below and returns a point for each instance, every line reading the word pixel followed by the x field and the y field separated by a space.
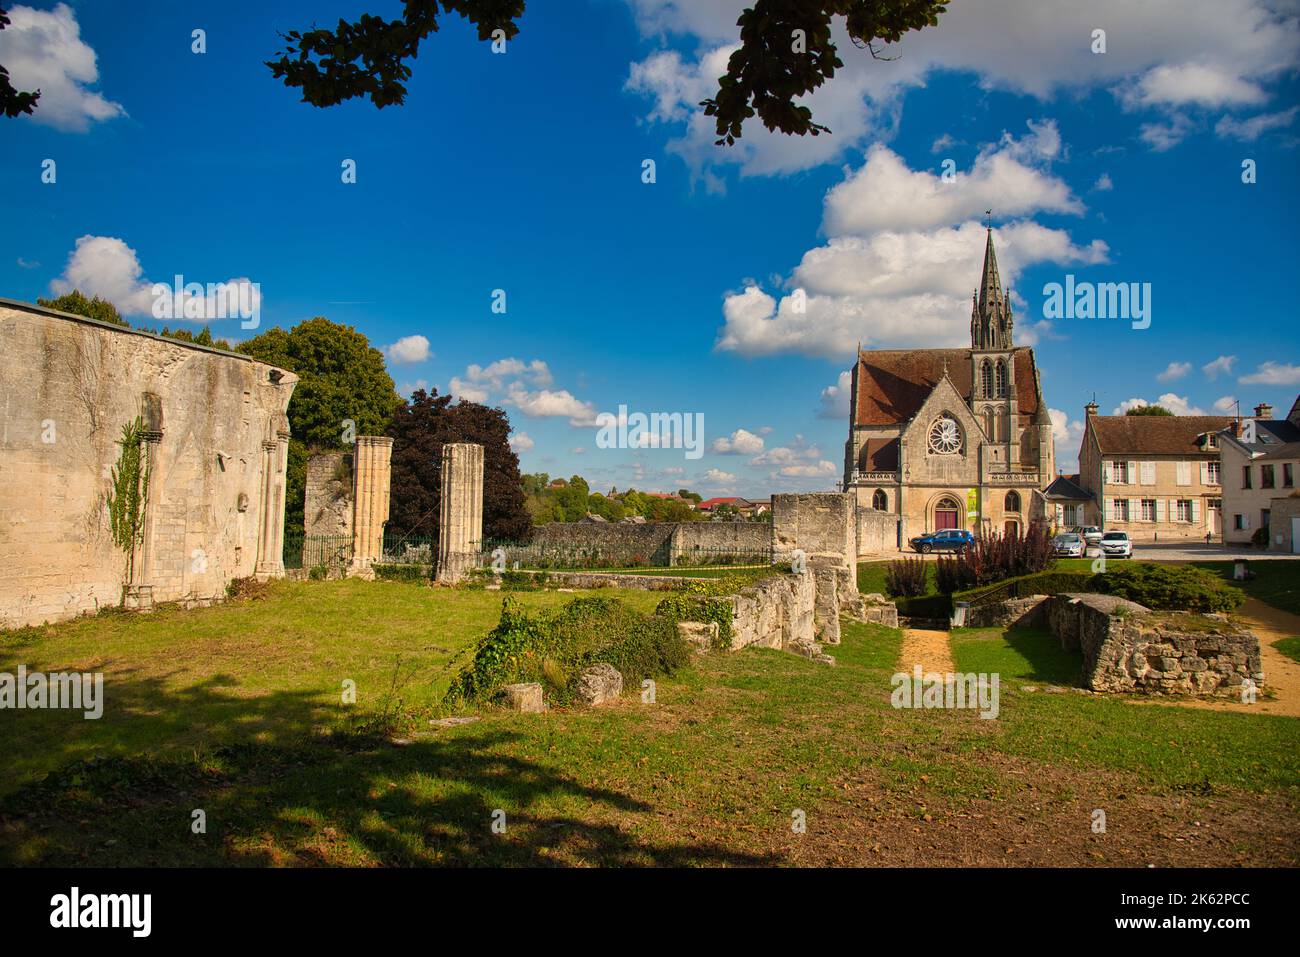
pixel 991 318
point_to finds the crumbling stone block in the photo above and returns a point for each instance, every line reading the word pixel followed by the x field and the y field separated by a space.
pixel 526 697
pixel 599 683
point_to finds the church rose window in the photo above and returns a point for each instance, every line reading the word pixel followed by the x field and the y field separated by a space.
pixel 945 436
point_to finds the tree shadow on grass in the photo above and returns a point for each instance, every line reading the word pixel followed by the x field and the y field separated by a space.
pixel 1048 661
pixel 282 793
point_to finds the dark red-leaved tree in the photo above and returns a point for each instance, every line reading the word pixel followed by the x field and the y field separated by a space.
pixel 420 429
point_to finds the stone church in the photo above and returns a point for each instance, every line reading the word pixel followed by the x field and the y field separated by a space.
pixel 953 438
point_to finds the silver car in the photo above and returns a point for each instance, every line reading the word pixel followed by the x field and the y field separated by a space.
pixel 1091 534
pixel 1068 545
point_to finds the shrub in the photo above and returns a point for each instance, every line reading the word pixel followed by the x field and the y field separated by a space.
pixel 1169 588
pixel 554 647
pixel 995 558
pixel 1044 583
pixel 402 573
pixel 318 573
pixel 1259 538
pixel 905 577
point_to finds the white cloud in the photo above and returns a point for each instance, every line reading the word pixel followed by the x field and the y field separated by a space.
pixel 107 267
pixel 1220 366
pixel 27 263
pixel 408 349
pixel 740 442
pixel 835 398
pixel 1251 128
pixel 1175 370
pixel 1157 58
pixel 1273 373
pixel 43 50
pixel 1066 437
pixel 468 391
pixel 552 403
pixel 521 442
pixel 1162 137
pixel 1225 404
pixel 1196 84
pixel 894 272
pixel 717 477
pixel 407 388
pixel 1104 183
pixel 1177 404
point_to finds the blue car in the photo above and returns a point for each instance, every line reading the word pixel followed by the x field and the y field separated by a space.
pixel 950 539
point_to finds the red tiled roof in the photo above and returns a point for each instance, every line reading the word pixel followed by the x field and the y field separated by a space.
pixel 1154 434
pixel 879 455
pixel 894 383
pixel 726 500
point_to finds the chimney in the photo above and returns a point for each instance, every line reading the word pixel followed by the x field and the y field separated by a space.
pixel 1090 408
pixel 1263 411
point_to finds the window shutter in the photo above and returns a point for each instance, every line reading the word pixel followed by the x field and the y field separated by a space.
pixel 1205 473
pixel 1245 521
pixel 1106 472
pixel 1133 505
pixel 1110 509
pixel 1196 510
pixel 1148 473
pixel 1132 476
pixel 1160 510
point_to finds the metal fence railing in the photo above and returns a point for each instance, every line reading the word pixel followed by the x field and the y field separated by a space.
pixel 313 551
pixel 409 550
pixel 614 555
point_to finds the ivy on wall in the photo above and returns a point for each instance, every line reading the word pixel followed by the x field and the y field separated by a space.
pixel 128 493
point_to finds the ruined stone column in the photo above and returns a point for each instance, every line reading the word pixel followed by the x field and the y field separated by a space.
pixel 275 463
pixel 371 484
pixel 460 534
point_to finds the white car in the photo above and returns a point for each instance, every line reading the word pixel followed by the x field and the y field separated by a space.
pixel 1068 545
pixel 1116 545
pixel 1091 534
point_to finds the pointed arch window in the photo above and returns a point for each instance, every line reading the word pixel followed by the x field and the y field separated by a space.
pixel 1001 383
pixel 986 379
pixel 1012 502
pixel 880 501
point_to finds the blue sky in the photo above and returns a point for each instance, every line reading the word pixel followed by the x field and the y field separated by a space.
pixel 523 172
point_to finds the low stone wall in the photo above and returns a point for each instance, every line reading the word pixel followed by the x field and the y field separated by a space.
pixel 778 612
pixel 1022 612
pixel 655 543
pixel 1127 647
pixel 877 532
pixel 611 580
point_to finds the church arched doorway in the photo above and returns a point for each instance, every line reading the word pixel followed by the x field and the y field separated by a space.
pixel 947 514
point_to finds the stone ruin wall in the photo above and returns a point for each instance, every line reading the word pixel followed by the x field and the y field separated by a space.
pixel 216 498
pixel 328 503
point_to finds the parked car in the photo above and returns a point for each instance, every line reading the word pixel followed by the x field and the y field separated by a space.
pixel 1116 544
pixel 950 540
pixel 1068 545
pixel 1089 533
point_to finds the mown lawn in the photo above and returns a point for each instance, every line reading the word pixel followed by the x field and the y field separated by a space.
pixel 1276 581
pixel 235 711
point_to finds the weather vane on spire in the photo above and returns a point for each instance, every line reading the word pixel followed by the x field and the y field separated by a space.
pixel 989 221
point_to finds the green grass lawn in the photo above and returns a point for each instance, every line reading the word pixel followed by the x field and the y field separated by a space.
pixel 1276 581
pixel 1289 647
pixel 223 709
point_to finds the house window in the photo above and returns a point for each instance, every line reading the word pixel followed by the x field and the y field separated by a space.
pixel 1238 523
pixel 1212 473
pixel 1263 518
pixel 1213 441
pixel 1119 509
pixel 1245 476
pixel 1184 510
pixel 1184 474
pixel 1148 473
pixel 1071 515
pixel 1012 502
pixel 1119 473
pixel 1148 510
pixel 1266 476
pixel 880 501
pixel 1288 477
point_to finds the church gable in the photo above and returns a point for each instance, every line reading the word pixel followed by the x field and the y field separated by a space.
pixel 942 443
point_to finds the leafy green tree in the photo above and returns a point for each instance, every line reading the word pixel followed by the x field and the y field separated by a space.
pixel 1148 410
pixel 344 391
pixel 785 52
pixel 610 509
pixel 420 428
pixel 572 499
pixel 76 303
pixel 202 338
pixel 14 102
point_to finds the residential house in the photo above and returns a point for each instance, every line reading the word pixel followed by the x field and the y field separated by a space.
pixel 1261 461
pixel 1156 477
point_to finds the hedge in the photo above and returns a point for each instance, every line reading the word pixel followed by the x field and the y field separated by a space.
pixel 1159 587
